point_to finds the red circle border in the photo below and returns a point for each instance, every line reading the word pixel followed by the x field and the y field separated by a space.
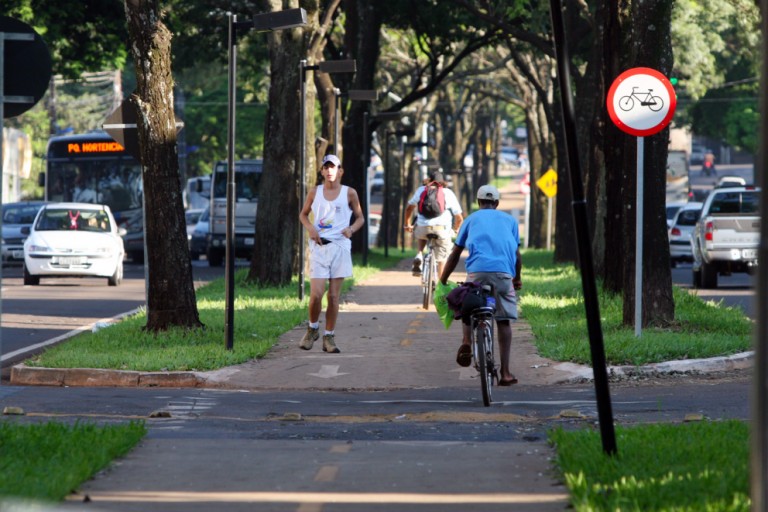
pixel 649 131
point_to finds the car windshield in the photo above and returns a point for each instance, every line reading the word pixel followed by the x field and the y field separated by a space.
pixel 54 219
pixel 688 217
pixel 735 202
pixel 20 214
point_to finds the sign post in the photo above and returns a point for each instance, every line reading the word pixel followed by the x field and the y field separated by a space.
pixel 641 102
pixel 548 184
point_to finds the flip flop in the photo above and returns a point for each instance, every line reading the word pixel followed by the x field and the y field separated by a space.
pixel 464 356
pixel 509 382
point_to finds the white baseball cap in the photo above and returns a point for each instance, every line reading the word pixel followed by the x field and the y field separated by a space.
pixel 488 192
pixel 332 159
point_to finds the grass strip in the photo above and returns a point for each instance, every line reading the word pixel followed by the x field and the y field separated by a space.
pixel 689 467
pixel 262 315
pixel 48 461
pixel 552 302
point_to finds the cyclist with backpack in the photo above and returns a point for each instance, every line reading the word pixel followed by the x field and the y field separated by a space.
pixel 439 212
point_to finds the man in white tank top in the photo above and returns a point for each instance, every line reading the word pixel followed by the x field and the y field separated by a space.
pixel 330 248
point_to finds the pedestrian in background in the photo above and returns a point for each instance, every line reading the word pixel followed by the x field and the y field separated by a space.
pixel 330 248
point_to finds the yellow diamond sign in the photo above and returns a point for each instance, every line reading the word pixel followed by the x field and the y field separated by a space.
pixel 548 183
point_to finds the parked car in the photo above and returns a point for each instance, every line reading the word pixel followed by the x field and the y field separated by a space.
pixel 509 155
pixel 15 217
pixel 377 183
pixel 198 241
pixel 373 228
pixel 74 240
pixel 731 181
pixel 680 232
pixel 191 217
pixel 672 209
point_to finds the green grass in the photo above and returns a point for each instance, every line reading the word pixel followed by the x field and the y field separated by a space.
pixel 48 461
pixel 552 303
pixel 684 467
pixel 261 316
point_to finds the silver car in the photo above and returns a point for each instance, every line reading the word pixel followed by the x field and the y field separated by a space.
pixel 16 216
pixel 680 232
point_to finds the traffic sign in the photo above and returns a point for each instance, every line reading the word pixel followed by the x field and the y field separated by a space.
pixel 548 183
pixel 121 126
pixel 26 67
pixel 641 102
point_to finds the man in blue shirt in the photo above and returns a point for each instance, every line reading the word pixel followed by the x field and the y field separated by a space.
pixel 493 239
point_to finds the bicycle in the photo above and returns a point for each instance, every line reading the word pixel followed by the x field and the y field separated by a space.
pixel 429 272
pixel 627 103
pixel 481 323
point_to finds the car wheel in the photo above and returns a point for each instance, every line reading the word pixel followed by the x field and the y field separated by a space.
pixel 708 276
pixel 697 278
pixel 215 258
pixel 29 279
pixel 117 277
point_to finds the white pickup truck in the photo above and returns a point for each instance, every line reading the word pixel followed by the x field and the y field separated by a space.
pixel 726 237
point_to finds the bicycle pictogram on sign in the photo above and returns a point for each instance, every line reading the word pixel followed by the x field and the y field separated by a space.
pixel 627 103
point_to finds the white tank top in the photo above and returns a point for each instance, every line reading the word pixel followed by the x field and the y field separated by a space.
pixel 332 217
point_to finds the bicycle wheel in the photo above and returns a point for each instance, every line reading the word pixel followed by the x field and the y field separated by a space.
pixel 626 103
pixel 484 361
pixel 426 280
pixel 656 103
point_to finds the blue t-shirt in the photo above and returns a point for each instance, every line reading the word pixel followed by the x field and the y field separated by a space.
pixel 492 238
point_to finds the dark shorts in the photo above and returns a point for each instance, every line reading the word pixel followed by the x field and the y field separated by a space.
pixel 506 299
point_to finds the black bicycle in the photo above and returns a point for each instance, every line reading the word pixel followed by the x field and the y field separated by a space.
pixel 482 323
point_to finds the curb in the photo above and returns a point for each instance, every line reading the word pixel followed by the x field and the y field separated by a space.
pixel 23 375
pixel 741 361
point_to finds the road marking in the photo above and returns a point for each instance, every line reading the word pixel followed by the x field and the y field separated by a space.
pixel 341 448
pixel 327 474
pixel 328 371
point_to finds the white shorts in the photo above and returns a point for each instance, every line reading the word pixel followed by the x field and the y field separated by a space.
pixel 329 261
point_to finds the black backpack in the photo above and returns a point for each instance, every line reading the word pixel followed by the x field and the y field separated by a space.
pixel 432 200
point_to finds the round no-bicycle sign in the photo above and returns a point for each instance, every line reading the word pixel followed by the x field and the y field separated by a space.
pixel 641 101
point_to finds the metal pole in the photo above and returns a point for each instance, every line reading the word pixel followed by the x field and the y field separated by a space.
pixel 591 304
pixel 385 210
pixel 337 95
pixel 366 161
pixel 639 238
pixel 302 166
pixel 2 144
pixel 759 433
pixel 403 198
pixel 229 271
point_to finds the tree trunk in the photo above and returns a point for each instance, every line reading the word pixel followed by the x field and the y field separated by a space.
pixel 363 28
pixel 658 306
pixel 276 254
pixel 171 298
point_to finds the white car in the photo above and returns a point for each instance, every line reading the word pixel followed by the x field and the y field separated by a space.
pixel 672 208
pixel 680 232
pixel 74 240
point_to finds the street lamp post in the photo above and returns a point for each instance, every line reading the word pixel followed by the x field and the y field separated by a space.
pixel 367 120
pixel 403 132
pixel 352 95
pixel 328 66
pixel 265 22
